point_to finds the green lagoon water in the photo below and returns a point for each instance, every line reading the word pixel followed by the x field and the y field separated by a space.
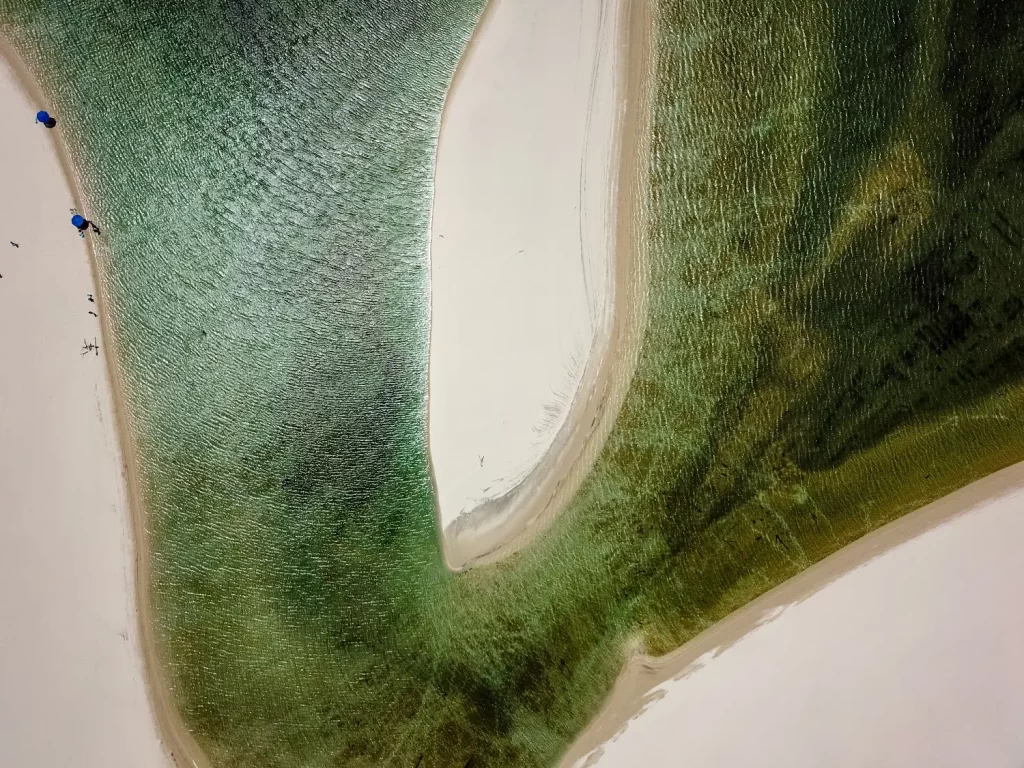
pixel 835 337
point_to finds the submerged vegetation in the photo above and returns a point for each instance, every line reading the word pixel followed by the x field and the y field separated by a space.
pixel 835 337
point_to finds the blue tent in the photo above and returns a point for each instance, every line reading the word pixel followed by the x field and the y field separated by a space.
pixel 78 221
pixel 43 116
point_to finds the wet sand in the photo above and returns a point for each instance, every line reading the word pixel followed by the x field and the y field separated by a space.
pixel 537 282
pixel 901 649
pixel 74 685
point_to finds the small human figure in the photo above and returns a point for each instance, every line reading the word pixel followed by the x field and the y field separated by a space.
pixel 83 225
pixel 91 299
pixel 93 313
pixel 15 244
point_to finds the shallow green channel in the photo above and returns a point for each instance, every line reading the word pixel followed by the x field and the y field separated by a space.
pixel 835 337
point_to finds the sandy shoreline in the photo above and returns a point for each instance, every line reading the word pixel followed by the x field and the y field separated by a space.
pixel 642 673
pixel 646 680
pixel 174 737
pixel 72 649
pixel 509 516
pixel 174 743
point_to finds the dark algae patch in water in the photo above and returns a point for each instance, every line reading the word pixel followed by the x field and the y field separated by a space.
pixel 836 232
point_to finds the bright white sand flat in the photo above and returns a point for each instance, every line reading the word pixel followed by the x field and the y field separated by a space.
pixel 913 659
pixel 522 244
pixel 72 690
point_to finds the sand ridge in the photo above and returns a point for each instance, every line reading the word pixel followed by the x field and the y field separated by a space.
pixel 886 577
pixel 546 339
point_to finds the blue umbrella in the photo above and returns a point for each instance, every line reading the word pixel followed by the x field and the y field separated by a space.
pixel 42 116
pixel 78 221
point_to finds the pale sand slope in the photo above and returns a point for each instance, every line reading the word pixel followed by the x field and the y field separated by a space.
pixel 524 248
pixel 72 690
pixel 913 659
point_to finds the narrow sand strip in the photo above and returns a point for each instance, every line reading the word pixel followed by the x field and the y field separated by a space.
pixel 535 281
pixel 74 690
pixel 902 649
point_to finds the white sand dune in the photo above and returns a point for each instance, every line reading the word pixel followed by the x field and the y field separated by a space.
pixel 526 255
pixel 72 685
pixel 914 658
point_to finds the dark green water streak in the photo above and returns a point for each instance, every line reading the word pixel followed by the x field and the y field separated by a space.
pixel 835 338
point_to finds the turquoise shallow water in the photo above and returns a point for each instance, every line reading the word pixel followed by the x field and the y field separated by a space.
pixel 263 175
pixel 835 338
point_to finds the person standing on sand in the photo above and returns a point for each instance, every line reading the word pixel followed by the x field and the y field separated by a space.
pixel 83 225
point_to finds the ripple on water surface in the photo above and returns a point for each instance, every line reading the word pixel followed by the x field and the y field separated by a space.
pixel 835 338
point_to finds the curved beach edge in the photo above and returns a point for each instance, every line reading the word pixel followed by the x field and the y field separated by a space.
pixel 181 747
pixel 504 525
pixel 634 690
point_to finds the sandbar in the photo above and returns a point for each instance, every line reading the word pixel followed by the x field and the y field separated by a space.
pixel 536 280
pixel 901 649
